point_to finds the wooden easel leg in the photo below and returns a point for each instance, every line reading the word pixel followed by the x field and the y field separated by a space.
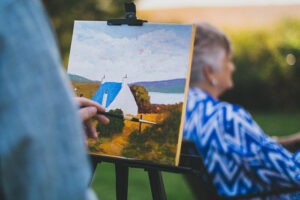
pixel 157 185
pixel 94 163
pixel 121 181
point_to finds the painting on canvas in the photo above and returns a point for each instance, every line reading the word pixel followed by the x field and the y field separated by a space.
pixel 141 73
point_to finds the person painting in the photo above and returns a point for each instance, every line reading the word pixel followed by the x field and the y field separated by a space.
pixel 238 155
pixel 43 155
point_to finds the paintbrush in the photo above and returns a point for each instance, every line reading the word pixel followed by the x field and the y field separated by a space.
pixel 125 117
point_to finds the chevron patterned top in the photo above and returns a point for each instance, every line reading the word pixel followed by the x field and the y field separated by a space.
pixel 238 155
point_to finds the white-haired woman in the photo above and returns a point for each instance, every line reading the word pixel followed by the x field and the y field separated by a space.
pixel 238 155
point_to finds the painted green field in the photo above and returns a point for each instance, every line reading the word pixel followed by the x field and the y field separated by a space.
pixel 278 124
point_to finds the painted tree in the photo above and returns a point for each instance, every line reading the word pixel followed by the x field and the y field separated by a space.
pixel 141 97
pixel 156 143
pixel 115 125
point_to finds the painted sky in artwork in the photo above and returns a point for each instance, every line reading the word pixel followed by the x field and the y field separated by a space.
pixel 146 53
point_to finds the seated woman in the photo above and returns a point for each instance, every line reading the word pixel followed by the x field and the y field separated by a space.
pixel 238 155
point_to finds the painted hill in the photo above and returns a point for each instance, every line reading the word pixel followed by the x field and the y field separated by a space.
pixel 166 86
pixel 77 78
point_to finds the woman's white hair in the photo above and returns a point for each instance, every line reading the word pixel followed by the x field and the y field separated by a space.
pixel 210 47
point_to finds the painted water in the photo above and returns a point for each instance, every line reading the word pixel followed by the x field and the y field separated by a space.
pixel 165 98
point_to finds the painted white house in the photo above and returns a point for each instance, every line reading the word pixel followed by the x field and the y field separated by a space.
pixel 116 95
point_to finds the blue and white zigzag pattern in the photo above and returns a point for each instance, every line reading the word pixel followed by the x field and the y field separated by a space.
pixel 239 156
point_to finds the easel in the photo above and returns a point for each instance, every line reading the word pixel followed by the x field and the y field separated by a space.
pixel 130 17
pixel 189 163
pixel 154 173
pixel 122 164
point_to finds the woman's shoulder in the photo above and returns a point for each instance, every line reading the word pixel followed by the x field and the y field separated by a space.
pixel 198 97
pixel 235 110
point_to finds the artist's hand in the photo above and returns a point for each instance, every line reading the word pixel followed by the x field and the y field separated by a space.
pixel 88 112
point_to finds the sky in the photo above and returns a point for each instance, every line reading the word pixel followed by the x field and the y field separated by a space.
pixel 147 53
pixel 151 4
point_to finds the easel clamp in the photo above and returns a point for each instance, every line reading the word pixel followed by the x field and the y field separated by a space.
pixel 130 17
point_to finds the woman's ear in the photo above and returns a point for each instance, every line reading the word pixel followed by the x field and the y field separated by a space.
pixel 209 74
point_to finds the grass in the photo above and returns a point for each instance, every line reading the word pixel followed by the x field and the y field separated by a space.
pixel 138 184
pixel 272 123
pixel 278 124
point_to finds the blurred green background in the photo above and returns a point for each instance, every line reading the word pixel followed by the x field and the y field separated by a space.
pixel 267 58
pixel 267 81
pixel 64 12
pixel 267 62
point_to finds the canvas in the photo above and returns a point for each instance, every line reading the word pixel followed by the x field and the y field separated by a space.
pixel 141 73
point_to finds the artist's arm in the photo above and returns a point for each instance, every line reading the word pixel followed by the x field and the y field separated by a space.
pixel 291 142
pixel 42 151
pixel 88 112
pixel 264 158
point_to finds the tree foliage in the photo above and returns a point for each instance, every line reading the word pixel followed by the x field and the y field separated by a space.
pixel 115 125
pixel 156 143
pixel 141 97
pixel 266 76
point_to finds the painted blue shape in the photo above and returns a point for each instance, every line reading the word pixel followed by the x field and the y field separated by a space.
pixel 111 88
